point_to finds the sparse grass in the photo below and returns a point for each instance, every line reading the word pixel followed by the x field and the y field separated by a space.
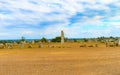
pixel 66 60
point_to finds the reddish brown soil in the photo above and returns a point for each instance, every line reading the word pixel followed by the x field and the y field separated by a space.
pixel 60 61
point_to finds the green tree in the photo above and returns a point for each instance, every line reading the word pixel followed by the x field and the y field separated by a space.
pixel 85 40
pixel 43 39
pixel 74 40
pixel 22 38
pixel 58 39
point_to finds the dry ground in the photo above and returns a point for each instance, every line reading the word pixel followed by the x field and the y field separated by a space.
pixel 60 61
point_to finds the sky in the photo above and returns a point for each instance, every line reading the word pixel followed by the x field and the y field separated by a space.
pixel 35 19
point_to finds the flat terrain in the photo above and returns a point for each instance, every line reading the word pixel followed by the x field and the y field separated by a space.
pixel 60 61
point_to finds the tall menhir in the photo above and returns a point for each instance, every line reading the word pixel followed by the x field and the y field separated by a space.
pixel 62 37
pixel 119 41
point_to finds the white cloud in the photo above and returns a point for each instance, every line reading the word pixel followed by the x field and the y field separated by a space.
pixel 26 13
pixel 108 1
pixel 115 24
pixel 114 18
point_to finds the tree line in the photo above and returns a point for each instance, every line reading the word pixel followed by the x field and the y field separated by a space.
pixel 58 39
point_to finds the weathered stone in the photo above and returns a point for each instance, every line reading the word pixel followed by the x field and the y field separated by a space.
pixel 62 37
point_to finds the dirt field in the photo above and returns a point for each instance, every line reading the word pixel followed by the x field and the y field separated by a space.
pixel 60 61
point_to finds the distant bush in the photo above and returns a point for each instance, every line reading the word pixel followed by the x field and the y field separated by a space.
pixel 85 40
pixel 75 40
pixel 22 38
pixel 43 39
pixel 58 39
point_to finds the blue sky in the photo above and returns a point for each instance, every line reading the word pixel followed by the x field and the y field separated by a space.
pixel 46 18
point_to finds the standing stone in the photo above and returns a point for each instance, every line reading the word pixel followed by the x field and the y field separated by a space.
pixel 40 44
pixel 10 45
pixel 118 41
pixel 33 42
pixel 29 45
pixel 21 44
pixel 62 37
pixel 49 43
pixel 2 46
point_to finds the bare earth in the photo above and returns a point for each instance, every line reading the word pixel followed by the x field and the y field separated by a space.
pixel 60 61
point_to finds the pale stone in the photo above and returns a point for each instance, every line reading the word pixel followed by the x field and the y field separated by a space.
pixel 119 42
pixel 33 42
pixel 62 37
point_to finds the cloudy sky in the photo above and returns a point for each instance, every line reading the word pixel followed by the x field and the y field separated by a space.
pixel 46 18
